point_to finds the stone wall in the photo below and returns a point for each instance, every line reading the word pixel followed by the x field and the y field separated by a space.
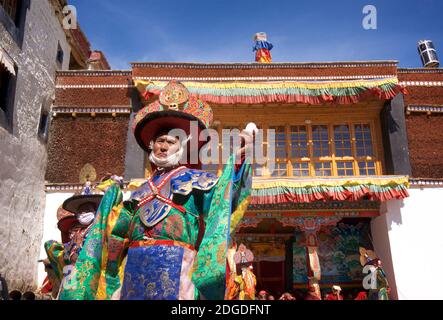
pixel 425 131
pixel 23 155
pixel 99 142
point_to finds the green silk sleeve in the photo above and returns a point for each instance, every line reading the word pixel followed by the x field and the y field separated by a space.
pixel 54 251
pixel 97 274
pixel 230 195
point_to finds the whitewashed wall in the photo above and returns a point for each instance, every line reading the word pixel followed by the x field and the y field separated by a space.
pixel 51 232
pixel 23 155
pixel 408 237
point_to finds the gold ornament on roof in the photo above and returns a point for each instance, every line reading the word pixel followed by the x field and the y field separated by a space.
pixel 173 95
pixel 87 173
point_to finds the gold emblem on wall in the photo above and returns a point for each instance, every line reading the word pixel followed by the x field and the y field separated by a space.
pixel 87 172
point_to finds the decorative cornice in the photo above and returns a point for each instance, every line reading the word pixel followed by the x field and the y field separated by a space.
pixel 93 73
pixel 54 188
pixel 425 182
pixel 420 70
pixel 68 187
pixel 322 78
pixel 91 110
pixel 93 86
pixel 280 65
pixel 319 206
pixel 312 213
pixel 263 236
pixel 424 109
pixel 422 83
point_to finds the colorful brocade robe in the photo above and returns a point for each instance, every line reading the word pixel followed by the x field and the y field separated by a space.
pixel 381 292
pixel 62 257
pixel 158 251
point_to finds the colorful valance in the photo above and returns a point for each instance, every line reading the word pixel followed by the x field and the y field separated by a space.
pixel 314 93
pixel 274 191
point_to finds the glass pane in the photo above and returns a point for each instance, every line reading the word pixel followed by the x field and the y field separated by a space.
pixel 342 141
pixel 323 169
pixel 320 141
pixel 299 142
pixel 363 140
pixel 345 168
pixel 279 170
pixel 367 168
pixel 279 142
pixel 300 169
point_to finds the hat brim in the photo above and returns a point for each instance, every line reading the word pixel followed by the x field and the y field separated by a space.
pixel 62 213
pixel 148 128
pixel 64 225
pixel 72 204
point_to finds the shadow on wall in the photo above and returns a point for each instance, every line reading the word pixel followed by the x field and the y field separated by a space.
pixel 392 124
pixel 394 216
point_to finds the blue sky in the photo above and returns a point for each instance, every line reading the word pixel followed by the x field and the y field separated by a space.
pixel 222 31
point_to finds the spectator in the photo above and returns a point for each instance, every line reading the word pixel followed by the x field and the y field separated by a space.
pixel 262 295
pixel 271 297
pixel 29 296
pixel 15 295
pixel 3 289
pixel 287 296
pixel 362 296
pixel 335 295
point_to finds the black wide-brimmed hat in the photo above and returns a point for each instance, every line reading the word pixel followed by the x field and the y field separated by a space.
pixel 175 109
pixel 73 203
pixel 69 211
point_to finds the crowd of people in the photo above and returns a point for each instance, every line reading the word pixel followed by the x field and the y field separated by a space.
pixel 336 293
pixel 5 294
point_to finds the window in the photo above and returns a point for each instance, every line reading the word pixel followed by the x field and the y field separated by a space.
pixel 363 140
pixel 342 141
pixel 279 142
pixel 320 140
pixel 325 150
pixel 11 8
pixel 43 126
pixel 4 84
pixel 299 142
pixel 299 151
pixel 60 56
pixel 13 18
pixel 7 95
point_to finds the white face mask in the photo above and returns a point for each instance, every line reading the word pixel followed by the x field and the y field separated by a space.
pixel 170 161
pixel 86 218
pixel 167 162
